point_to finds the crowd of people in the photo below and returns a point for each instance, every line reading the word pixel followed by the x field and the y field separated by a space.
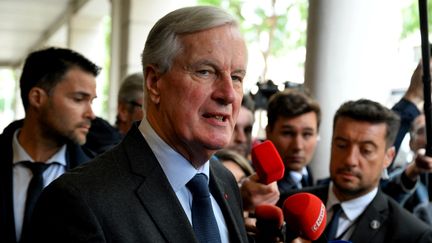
pixel 176 165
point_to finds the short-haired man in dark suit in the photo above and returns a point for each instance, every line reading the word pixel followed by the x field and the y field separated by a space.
pixel 143 190
pixel 57 89
pixel 293 124
pixel 362 147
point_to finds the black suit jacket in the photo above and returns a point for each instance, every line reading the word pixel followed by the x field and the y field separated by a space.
pixel 384 220
pixel 124 196
pixel 74 156
pixel 287 184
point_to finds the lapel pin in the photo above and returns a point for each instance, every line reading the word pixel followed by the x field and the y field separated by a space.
pixel 375 224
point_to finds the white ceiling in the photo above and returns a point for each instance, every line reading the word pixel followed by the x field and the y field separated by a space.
pixel 26 24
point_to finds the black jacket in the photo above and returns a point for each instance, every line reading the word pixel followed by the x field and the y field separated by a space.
pixel 75 155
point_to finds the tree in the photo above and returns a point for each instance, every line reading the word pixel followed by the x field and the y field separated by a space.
pixel 265 22
pixel 411 19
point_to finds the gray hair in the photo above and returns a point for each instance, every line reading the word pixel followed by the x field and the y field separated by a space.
pixel 162 43
pixel 132 88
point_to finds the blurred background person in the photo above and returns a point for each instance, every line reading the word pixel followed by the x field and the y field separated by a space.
pixel 103 135
pixel 130 102
pixel 236 163
pixel 241 141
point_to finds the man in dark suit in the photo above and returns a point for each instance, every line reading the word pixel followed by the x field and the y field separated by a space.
pixel 57 89
pixel 363 135
pixel 143 190
pixel 293 123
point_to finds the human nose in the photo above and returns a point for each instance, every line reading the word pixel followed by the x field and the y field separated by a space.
pixel 352 156
pixel 225 92
pixel 298 142
pixel 89 112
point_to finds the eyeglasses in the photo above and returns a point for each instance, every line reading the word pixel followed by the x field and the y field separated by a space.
pixel 135 104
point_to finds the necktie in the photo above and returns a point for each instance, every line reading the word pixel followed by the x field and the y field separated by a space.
pixel 332 227
pixel 34 190
pixel 304 181
pixel 203 219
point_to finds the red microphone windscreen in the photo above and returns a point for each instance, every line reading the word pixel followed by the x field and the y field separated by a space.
pixel 305 215
pixel 267 162
pixel 269 214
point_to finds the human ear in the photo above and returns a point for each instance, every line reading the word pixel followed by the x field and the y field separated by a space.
pixel 152 82
pixel 388 158
pixel 37 96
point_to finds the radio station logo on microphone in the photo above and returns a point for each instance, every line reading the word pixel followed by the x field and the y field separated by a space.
pixel 319 220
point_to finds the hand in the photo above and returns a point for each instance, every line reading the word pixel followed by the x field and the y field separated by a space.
pixel 414 92
pixel 300 240
pixel 421 163
pixel 254 193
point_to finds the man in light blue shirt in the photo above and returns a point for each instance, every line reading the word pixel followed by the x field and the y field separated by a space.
pixel 158 182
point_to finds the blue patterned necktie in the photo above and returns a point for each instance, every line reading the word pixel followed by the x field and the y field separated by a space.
pixel 203 219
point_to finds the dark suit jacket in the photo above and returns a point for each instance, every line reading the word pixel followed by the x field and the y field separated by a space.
pixel 287 185
pixel 74 156
pixel 124 196
pixel 102 136
pixel 384 220
pixel 424 212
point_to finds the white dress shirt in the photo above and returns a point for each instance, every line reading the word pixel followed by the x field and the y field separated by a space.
pixel 297 177
pixel 22 176
pixel 179 171
pixel 352 209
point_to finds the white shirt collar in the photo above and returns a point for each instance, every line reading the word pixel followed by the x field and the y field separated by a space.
pixel 354 207
pixel 178 170
pixel 297 176
pixel 19 153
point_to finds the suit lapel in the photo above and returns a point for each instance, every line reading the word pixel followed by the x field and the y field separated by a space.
pixel 371 220
pixel 6 204
pixel 7 218
pixel 155 192
pixel 225 198
pixel 310 178
pixel 162 205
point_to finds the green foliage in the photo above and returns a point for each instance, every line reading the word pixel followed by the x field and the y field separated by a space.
pixel 282 39
pixel 107 64
pixel 411 19
pixel 2 104
pixel 284 28
pixel 210 2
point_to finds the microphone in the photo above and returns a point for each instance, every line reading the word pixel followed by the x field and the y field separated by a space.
pixel 305 216
pixel 267 162
pixel 269 223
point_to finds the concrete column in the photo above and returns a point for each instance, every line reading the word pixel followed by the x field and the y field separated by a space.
pixel 131 23
pixel 87 35
pixel 351 53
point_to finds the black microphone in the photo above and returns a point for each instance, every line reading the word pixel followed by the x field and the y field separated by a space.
pixel 269 224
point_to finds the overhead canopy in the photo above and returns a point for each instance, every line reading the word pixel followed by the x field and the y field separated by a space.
pixel 26 24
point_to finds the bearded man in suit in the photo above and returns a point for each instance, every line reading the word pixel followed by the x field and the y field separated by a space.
pixel 362 148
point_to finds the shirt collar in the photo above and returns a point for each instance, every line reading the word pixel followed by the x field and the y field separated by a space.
pixel 178 170
pixel 297 176
pixel 19 153
pixel 354 207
